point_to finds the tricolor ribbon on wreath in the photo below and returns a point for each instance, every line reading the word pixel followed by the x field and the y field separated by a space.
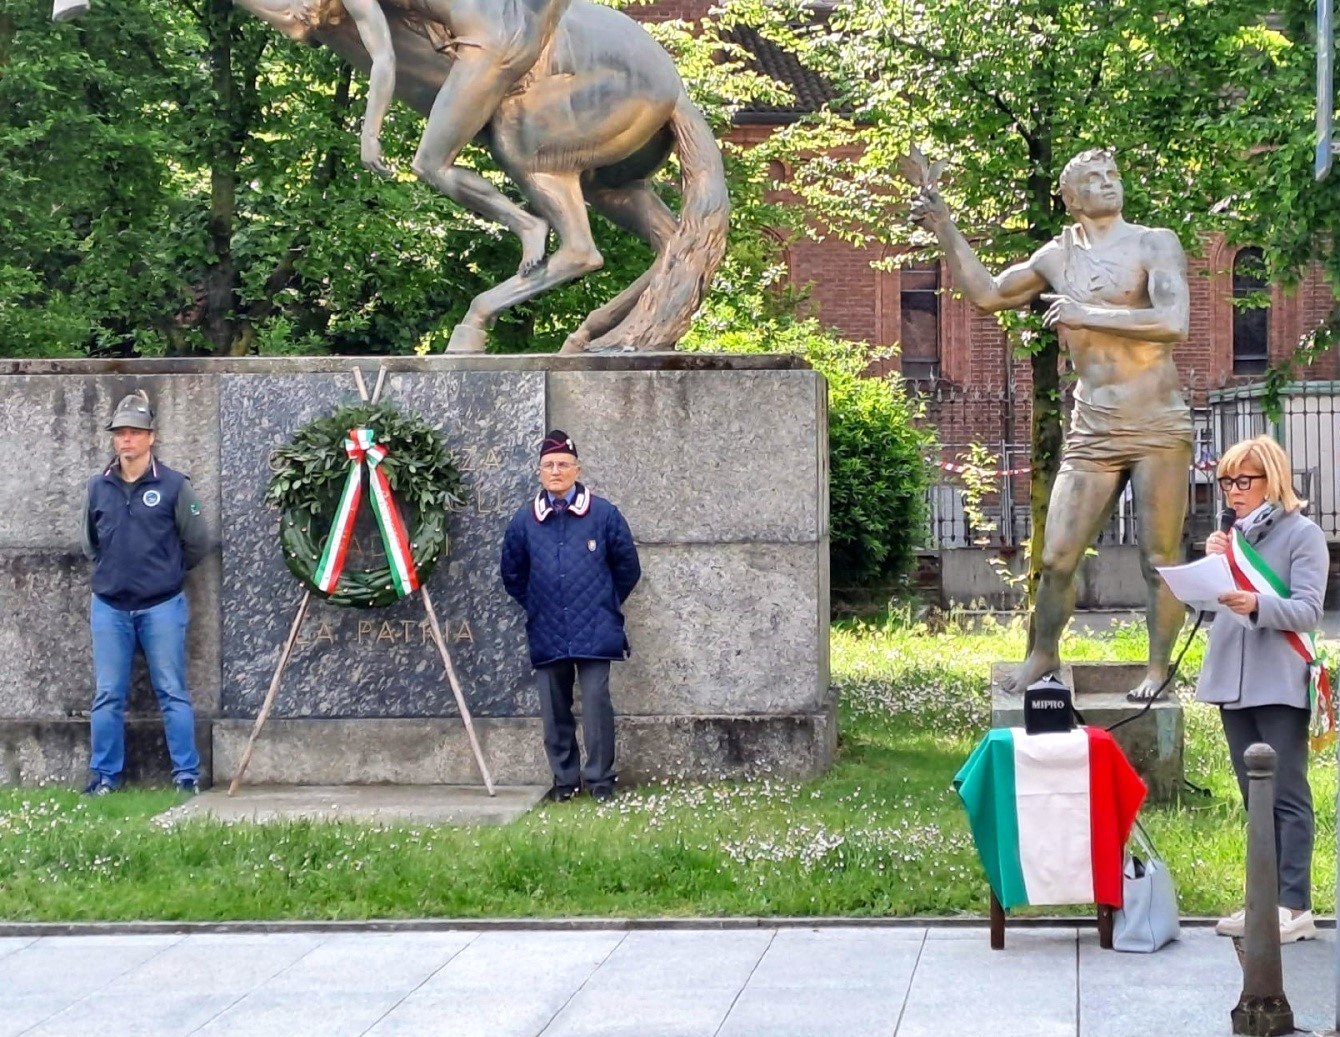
pixel 361 446
pixel 1251 573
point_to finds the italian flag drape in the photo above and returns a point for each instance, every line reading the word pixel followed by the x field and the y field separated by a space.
pixel 1251 573
pixel 1050 814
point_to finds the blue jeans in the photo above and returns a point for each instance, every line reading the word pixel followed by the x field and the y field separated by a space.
pixel 161 632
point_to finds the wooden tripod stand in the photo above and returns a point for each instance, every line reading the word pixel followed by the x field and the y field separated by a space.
pixel 433 624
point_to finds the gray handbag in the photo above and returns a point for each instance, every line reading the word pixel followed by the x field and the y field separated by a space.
pixel 1148 918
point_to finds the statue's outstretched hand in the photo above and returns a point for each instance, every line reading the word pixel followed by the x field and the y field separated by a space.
pixel 929 210
pixel 370 153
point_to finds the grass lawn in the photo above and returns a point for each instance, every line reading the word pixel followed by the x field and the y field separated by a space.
pixel 880 834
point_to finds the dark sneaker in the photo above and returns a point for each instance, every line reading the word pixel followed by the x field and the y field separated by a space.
pixel 602 793
pixel 187 786
pixel 99 786
pixel 560 793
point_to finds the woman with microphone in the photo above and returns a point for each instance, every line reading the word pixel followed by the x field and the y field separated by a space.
pixel 1256 671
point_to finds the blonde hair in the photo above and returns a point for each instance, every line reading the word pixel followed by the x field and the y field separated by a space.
pixel 1273 462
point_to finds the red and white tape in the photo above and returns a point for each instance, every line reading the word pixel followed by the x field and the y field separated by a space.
pixel 962 469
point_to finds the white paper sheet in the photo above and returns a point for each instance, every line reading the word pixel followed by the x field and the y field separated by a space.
pixel 1199 584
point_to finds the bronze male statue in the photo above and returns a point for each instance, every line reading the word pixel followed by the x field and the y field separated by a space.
pixel 1120 299
pixel 576 104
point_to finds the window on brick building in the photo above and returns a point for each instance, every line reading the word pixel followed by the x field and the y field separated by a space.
pixel 1251 321
pixel 920 331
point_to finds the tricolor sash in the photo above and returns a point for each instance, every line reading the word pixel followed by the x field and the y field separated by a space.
pixel 361 446
pixel 1251 573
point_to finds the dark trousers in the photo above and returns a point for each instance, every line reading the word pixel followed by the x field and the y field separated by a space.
pixel 555 683
pixel 1284 729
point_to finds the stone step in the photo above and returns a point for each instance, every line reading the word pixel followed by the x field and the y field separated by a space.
pixel 383 804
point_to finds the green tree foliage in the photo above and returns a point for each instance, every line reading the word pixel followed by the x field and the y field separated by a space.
pixel 1007 93
pixel 177 178
pixel 1268 138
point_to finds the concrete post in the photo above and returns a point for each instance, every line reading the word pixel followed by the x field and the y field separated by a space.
pixel 1263 1010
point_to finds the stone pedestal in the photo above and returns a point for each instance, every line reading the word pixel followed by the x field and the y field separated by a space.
pixel 1153 742
pixel 719 463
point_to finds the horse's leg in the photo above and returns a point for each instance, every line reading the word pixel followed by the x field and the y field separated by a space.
pixel 638 209
pixel 558 198
pixel 471 95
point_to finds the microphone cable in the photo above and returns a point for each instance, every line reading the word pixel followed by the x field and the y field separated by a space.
pixel 1226 519
pixel 1172 673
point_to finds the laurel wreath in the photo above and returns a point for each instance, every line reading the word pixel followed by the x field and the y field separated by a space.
pixel 310 471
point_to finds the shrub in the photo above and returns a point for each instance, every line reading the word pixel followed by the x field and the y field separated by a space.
pixel 878 472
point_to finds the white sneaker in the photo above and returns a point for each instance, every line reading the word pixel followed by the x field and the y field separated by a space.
pixel 1232 925
pixel 1297 928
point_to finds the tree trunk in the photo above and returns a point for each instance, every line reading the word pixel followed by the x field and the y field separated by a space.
pixel 219 320
pixel 1047 438
pixel 1046 435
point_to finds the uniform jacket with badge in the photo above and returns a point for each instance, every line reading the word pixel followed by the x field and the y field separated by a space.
pixel 143 536
pixel 571 571
pixel 1255 666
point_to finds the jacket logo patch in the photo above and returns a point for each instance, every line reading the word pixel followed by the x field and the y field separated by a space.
pixel 151 498
pixel 195 509
pixel 590 545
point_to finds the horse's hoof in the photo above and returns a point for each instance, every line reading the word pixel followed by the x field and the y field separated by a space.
pixel 466 338
pixel 576 342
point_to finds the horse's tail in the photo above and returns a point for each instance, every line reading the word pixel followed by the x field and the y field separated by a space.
pixel 679 276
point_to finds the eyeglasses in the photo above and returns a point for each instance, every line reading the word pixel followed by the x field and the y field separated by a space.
pixel 557 466
pixel 1241 482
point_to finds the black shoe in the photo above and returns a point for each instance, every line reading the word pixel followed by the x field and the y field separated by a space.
pixel 187 786
pixel 560 793
pixel 602 793
pixel 99 786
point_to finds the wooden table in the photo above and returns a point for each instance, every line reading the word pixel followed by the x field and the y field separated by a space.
pixel 1050 815
pixel 998 925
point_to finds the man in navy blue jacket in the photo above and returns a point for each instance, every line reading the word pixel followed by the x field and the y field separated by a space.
pixel 569 560
pixel 143 529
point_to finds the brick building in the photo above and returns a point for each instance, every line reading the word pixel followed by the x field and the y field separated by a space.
pixel 976 391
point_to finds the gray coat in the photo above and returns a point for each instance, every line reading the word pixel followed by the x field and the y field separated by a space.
pixel 1256 667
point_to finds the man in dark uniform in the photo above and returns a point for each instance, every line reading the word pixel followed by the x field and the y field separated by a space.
pixel 569 560
pixel 143 529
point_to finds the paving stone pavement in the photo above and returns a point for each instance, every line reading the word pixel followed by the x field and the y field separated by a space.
pixel 841 981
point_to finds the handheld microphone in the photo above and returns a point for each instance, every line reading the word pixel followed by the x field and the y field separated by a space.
pixel 1226 519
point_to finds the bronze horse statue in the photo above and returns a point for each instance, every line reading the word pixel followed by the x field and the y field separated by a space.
pixel 577 104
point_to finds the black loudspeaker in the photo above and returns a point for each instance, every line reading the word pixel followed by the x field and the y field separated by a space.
pixel 1048 707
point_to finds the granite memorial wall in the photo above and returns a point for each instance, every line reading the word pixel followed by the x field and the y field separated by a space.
pixel 719 464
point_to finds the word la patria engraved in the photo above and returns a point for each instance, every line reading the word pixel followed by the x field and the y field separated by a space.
pixel 382 633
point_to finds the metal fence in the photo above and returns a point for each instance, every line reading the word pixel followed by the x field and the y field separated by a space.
pixel 1310 431
pixel 1308 428
pixel 1003 517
